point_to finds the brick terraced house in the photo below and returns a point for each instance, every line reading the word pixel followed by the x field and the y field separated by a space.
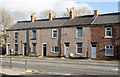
pixel 86 36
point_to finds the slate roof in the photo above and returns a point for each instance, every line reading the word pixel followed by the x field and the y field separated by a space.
pixel 80 20
pixel 66 21
pixel 43 23
pixel 107 18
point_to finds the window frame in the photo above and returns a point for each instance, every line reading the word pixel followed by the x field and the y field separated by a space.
pixel 53 49
pixel 79 28
pixel 15 47
pixel 34 34
pixel 33 47
pixel 77 48
pixel 106 32
pixel 53 33
pixel 109 48
pixel 16 35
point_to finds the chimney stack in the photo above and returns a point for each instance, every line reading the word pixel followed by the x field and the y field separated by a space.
pixel 72 13
pixel 96 12
pixel 51 15
pixel 33 17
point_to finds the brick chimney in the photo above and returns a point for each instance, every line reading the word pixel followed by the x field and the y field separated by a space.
pixel 51 15
pixel 72 13
pixel 96 12
pixel 33 17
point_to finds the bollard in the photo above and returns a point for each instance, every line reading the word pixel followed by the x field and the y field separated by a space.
pixel 10 62
pixel 25 65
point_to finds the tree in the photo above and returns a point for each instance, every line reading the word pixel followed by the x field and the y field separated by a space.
pixel 5 20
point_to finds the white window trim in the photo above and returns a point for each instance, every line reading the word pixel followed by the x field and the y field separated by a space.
pixel 77 33
pixel 54 50
pixel 77 49
pixel 52 33
pixel 105 32
pixel 112 48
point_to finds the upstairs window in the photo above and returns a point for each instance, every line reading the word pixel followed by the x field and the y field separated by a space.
pixel 109 51
pixel 79 48
pixel 54 33
pixel 34 34
pixel 108 32
pixel 54 49
pixel 79 32
pixel 16 35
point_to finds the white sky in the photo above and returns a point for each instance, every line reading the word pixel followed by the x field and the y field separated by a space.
pixel 59 6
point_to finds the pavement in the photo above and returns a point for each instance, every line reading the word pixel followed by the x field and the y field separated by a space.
pixel 18 71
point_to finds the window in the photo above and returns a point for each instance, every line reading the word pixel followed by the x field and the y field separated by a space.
pixel 16 47
pixel 79 32
pixel 109 51
pixel 34 34
pixel 16 35
pixel 54 33
pixel 55 49
pixel 108 32
pixel 34 47
pixel 79 48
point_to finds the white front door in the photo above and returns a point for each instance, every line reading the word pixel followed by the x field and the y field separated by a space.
pixel 67 50
pixel 8 49
pixel 94 51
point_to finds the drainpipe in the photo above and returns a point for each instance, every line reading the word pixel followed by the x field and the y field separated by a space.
pixel 27 41
pixel 61 40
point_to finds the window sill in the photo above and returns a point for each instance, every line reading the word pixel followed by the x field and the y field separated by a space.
pixel 79 37
pixel 78 53
pixel 33 39
pixel 108 37
pixel 33 52
pixel 55 52
pixel 54 37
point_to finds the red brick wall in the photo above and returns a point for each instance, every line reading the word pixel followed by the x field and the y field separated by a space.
pixel 98 34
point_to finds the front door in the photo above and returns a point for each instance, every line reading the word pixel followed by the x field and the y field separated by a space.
pixel 8 49
pixel 44 49
pixel 25 49
pixel 94 51
pixel 67 50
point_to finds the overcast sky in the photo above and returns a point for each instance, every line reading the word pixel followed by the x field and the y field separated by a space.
pixel 59 6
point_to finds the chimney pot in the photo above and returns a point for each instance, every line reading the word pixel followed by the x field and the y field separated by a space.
pixel 33 17
pixel 51 15
pixel 72 13
pixel 96 12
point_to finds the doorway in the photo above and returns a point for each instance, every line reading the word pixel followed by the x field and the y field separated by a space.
pixel 67 50
pixel 93 51
pixel 25 49
pixel 8 49
pixel 44 45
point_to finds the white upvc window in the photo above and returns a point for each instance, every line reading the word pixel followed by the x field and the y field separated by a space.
pixel 54 33
pixel 108 32
pixel 109 50
pixel 79 48
pixel 79 32
pixel 54 49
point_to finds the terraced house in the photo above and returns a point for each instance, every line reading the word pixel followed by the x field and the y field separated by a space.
pixel 74 36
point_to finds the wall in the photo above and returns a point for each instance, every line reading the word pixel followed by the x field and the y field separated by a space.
pixel 98 34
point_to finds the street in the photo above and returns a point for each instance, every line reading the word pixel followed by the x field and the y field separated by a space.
pixel 62 67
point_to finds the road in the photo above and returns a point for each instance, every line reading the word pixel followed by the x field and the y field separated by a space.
pixel 63 67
